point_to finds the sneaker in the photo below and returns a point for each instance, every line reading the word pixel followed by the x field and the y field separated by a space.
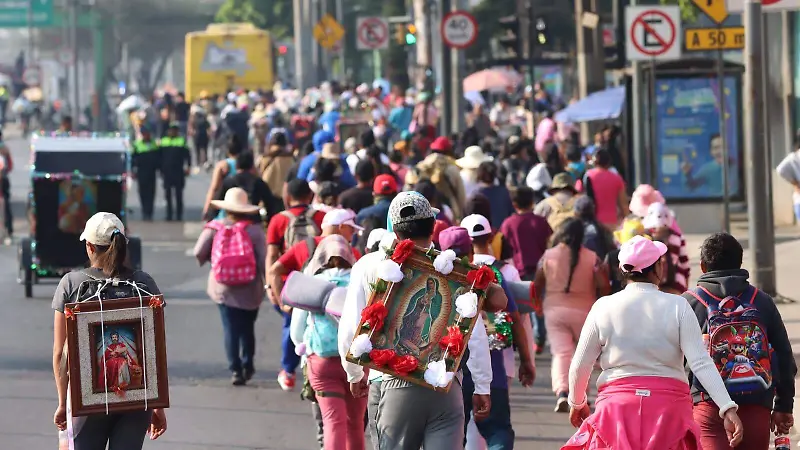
pixel 248 374
pixel 237 379
pixel 538 349
pixel 562 404
pixel 286 380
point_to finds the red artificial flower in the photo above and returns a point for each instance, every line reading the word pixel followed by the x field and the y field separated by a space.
pixel 402 251
pixel 453 341
pixel 374 315
pixel 403 365
pixel 481 278
pixel 69 313
pixel 381 357
pixel 156 302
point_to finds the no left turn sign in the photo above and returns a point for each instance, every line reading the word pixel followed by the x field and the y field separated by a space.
pixel 653 33
pixel 459 29
pixel 372 33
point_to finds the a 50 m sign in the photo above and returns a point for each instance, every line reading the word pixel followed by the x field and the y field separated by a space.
pixel 704 39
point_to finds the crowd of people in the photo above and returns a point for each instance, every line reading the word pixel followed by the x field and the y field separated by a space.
pixel 610 276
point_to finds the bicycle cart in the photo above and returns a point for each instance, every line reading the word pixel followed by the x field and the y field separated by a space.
pixel 72 178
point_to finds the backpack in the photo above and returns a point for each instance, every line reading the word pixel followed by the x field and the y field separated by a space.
pixel 436 172
pixel 233 260
pixel 300 228
pixel 737 342
pixel 560 213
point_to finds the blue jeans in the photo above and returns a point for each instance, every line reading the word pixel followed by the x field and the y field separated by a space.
pixel 238 326
pixel 289 360
pixel 539 330
pixel 495 429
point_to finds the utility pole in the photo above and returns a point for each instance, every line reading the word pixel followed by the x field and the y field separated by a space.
pixel 73 41
pixel 762 237
pixel 457 74
pixel 591 60
pixel 447 69
pixel 639 159
pixel 30 33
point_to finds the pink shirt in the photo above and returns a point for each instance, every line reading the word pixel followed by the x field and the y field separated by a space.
pixel 556 266
pixel 607 186
pixel 545 133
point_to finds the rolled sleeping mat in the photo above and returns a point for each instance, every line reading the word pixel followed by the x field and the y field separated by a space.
pixel 335 303
pixel 523 295
pixel 306 292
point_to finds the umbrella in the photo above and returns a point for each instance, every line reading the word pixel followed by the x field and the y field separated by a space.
pixel 489 80
pixel 602 105
pixel 383 84
pixel 129 104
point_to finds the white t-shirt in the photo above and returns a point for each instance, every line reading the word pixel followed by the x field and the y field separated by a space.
pixel 500 116
pixel 789 170
pixel 352 160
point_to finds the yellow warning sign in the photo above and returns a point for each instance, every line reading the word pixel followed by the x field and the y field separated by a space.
pixel 716 10
pixel 328 32
pixel 700 39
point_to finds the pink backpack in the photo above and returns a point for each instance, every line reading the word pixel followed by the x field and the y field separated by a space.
pixel 233 260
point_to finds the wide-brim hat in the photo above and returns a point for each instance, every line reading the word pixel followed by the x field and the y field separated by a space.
pixel 236 201
pixel 562 181
pixel 473 158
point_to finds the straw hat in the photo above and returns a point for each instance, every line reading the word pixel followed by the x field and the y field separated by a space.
pixel 473 158
pixel 236 201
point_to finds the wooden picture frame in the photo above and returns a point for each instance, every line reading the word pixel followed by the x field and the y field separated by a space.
pixel 421 311
pixel 117 355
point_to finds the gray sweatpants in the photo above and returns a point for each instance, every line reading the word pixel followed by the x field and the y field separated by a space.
pixel 411 416
pixel 373 402
pixel 123 431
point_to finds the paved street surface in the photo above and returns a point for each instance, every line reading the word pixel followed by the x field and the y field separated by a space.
pixel 207 413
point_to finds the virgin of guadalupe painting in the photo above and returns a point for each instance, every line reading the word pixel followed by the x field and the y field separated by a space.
pixel 420 321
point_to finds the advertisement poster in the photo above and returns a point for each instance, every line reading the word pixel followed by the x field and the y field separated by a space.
pixel 689 153
pixel 77 201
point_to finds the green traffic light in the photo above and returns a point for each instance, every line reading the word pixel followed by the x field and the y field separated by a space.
pixel 410 39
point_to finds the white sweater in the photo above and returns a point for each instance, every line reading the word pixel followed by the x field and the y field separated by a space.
pixel 642 331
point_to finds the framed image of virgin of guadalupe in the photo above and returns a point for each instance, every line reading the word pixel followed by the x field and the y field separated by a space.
pixel 421 313
pixel 117 355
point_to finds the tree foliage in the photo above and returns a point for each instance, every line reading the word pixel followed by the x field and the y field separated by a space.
pixel 272 15
pixel 688 10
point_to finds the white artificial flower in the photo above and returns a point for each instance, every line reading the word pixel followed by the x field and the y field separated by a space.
pixel 361 345
pixel 389 270
pixel 300 349
pixel 437 375
pixel 467 305
pixel 443 263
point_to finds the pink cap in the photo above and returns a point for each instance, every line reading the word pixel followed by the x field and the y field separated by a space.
pixel 640 253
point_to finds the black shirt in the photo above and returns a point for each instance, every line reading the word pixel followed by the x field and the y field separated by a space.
pixel 356 198
pixel 182 112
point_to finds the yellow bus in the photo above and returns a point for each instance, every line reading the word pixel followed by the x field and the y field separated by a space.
pixel 226 57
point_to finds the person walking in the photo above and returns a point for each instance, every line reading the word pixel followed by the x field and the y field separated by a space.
pixel 222 170
pixel 359 196
pixel 607 189
pixel 440 168
pixel 569 280
pixel 384 189
pixel 176 164
pixel 316 333
pixel 721 290
pixel 258 192
pixel 107 248
pixel 411 416
pixel 541 175
pixel 274 165
pixel 145 163
pixel 641 337
pixel 560 204
pixel 496 192
pixel 469 163
pixel 236 248
pixel 7 163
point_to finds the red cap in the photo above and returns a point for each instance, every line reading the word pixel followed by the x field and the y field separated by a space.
pixel 441 144
pixel 384 185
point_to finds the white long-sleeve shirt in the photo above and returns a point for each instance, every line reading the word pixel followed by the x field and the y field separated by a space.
pixel 642 331
pixel 363 273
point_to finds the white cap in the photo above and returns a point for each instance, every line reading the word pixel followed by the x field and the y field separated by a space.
pixel 375 236
pixel 101 227
pixel 338 217
pixel 476 225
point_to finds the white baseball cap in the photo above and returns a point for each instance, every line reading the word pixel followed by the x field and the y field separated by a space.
pixel 101 227
pixel 476 225
pixel 336 217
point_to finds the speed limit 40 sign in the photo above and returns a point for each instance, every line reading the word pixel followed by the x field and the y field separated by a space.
pixel 459 29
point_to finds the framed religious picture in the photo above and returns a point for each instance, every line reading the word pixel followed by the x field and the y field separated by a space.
pixel 419 318
pixel 117 355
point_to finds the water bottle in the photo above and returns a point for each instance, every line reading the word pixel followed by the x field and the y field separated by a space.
pixel 783 443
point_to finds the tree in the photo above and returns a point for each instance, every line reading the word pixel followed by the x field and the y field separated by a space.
pixel 688 10
pixel 272 15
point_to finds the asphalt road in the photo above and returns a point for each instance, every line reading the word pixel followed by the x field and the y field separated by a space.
pixel 207 413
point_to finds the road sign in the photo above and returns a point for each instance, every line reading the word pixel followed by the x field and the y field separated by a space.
pixel 729 38
pixel 716 10
pixel 32 76
pixel 372 33
pixel 459 29
pixel 18 13
pixel 328 32
pixel 653 32
pixel 737 6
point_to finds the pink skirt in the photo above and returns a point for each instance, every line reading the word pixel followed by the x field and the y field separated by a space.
pixel 640 413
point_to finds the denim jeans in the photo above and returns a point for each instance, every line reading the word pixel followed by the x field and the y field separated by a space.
pixel 539 330
pixel 289 360
pixel 238 326
pixel 495 429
